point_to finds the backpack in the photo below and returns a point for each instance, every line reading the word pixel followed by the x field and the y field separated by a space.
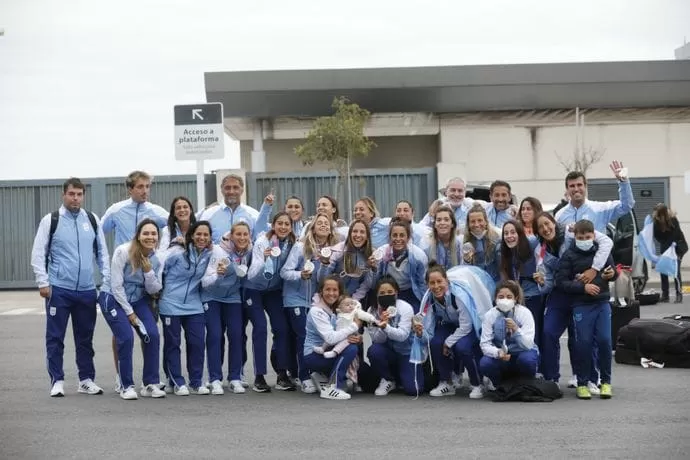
pixel 665 340
pixel 55 217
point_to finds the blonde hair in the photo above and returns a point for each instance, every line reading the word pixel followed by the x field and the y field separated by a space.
pixel 371 206
pixel 136 250
pixel 490 238
pixel 310 244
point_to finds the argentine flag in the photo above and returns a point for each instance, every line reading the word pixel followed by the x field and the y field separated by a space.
pixel 667 263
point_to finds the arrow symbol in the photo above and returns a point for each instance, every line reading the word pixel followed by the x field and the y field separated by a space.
pixel 196 113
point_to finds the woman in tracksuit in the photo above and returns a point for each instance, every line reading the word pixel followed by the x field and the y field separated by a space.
pixel 452 327
pixel 352 260
pixel 405 262
pixel 391 342
pixel 264 292
pixel 320 331
pixel 301 274
pixel 222 300
pixel 181 307
pixel 554 240
pixel 126 303
pixel 444 246
pixel 519 263
pixel 481 242
pixel 366 211
pixel 181 217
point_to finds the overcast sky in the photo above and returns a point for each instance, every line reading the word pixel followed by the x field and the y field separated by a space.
pixel 88 89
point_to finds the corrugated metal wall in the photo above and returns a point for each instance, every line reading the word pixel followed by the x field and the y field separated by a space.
pixel 647 191
pixel 24 203
pixel 386 187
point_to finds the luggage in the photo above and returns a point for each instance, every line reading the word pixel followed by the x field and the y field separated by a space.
pixel 665 341
pixel 648 298
pixel 621 316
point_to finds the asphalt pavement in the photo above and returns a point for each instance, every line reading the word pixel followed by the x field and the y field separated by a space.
pixel 649 416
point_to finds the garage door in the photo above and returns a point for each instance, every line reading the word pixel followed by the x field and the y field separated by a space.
pixel 648 192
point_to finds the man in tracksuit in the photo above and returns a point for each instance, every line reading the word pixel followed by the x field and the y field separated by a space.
pixel 591 308
pixel 124 216
pixel 63 264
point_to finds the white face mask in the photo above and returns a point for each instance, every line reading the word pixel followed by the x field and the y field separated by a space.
pixel 505 305
pixel 479 235
pixel 584 245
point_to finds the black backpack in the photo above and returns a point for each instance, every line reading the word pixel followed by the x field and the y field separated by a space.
pixel 665 340
pixel 55 217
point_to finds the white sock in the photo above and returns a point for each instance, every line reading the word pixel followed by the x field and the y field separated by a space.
pixel 330 354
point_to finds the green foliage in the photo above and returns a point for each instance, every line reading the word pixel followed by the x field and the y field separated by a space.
pixel 338 138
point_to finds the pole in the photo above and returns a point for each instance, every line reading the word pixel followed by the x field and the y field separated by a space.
pixel 200 186
pixel 577 131
pixel 349 191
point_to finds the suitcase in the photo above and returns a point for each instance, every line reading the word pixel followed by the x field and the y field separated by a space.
pixel 648 298
pixel 621 316
pixel 665 341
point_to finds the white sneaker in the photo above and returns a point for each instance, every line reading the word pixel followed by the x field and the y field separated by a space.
pixel 477 392
pixel 217 388
pixel 152 391
pixel 443 389
pixel 237 387
pixel 593 388
pixel 129 394
pixel 161 385
pixel 202 390
pixel 169 389
pixel 244 381
pixel 308 387
pixel 296 381
pixel 58 389
pixel 118 385
pixel 182 391
pixel 488 384
pixel 331 392
pixel 384 387
pixel 572 383
pixel 320 380
pixel 88 387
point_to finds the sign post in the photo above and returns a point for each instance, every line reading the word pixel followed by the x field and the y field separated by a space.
pixel 199 136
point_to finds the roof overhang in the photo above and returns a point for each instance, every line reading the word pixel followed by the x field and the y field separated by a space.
pixel 309 93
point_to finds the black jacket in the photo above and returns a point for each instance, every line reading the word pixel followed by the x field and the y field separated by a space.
pixel 573 262
pixel 671 235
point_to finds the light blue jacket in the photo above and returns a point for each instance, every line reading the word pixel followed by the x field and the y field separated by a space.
pixel 223 288
pixel 181 278
pixel 222 218
pixel 497 218
pixel 71 259
pixel 356 287
pixel 412 270
pixel 264 273
pixel 124 216
pixel 321 328
pixel 296 291
pixel 380 229
pixel 441 254
pixel 600 213
pixel 126 286
pixel 420 232
pixel 490 267
pixel 397 335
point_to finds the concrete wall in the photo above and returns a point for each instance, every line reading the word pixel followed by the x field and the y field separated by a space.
pixel 390 152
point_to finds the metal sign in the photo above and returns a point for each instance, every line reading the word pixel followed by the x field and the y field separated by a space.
pixel 199 132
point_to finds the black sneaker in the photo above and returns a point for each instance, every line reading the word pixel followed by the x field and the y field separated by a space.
pixel 283 383
pixel 260 385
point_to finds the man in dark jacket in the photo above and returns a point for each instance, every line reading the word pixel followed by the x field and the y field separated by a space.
pixel 591 308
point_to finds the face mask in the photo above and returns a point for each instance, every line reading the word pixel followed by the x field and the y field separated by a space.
pixel 584 245
pixel 505 305
pixel 386 301
pixel 479 235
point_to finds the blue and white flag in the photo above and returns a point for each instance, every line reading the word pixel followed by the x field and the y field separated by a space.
pixel 667 263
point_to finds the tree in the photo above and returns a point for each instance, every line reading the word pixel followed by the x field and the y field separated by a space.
pixel 336 139
pixel 581 160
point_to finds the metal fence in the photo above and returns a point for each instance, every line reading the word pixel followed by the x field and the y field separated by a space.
pixel 24 203
pixel 385 186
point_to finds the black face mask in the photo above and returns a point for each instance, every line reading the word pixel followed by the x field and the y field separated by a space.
pixel 386 301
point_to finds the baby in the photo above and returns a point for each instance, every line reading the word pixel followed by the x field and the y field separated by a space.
pixel 348 310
